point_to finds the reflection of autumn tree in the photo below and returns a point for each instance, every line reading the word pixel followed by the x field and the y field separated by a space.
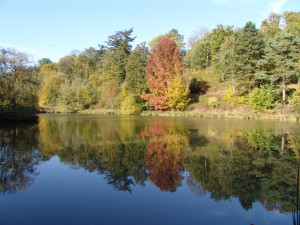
pixel 163 165
pixel 18 157
pixel 164 152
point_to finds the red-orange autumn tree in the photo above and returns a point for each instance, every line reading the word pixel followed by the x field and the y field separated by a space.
pixel 163 65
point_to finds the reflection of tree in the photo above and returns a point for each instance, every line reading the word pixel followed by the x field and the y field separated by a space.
pixel 255 166
pixel 18 157
pixel 163 165
pixel 251 165
pixel 107 146
pixel 164 152
pixel 294 144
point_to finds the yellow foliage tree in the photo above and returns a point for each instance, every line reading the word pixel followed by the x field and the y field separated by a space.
pixel 177 96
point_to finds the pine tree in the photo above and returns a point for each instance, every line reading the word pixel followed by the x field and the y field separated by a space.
pixel 248 48
pixel 280 65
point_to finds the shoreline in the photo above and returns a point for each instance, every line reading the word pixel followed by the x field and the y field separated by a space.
pixel 200 114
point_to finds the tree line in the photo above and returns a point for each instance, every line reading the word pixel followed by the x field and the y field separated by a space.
pixel 257 67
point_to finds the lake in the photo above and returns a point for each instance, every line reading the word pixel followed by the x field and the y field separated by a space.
pixel 93 169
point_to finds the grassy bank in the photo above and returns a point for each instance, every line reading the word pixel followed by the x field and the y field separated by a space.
pixel 227 114
pixel 206 114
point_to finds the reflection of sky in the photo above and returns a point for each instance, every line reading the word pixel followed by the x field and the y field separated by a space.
pixel 61 195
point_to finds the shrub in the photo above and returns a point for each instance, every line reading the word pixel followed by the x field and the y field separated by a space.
pixel 229 96
pixel 295 100
pixel 213 102
pixel 263 98
pixel 130 105
pixel 77 94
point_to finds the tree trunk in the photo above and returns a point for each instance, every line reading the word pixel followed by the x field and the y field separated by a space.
pixel 233 86
pixel 283 93
pixel 207 57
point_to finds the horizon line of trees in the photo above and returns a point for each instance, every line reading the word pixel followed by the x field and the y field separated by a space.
pixel 258 67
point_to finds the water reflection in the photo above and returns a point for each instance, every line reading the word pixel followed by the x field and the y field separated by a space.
pixel 253 164
pixel 18 157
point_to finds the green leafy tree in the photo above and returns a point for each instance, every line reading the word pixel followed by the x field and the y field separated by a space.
pixel 292 23
pixel 67 65
pixel 202 54
pixel 172 34
pixel 43 61
pixel 224 59
pixel 18 81
pixel 217 36
pixel 136 81
pixel 272 25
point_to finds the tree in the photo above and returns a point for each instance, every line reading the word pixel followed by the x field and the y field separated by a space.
pixel 280 63
pixel 292 23
pixel 163 64
pixel 135 81
pixel 272 25
pixel 117 51
pixel 43 61
pixel 177 95
pixel 18 80
pixel 224 59
pixel 67 65
pixel 217 36
pixel 197 35
pixel 248 48
pixel 172 34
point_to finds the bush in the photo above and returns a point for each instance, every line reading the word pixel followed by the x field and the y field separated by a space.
pixel 130 105
pixel 263 98
pixel 77 94
pixel 295 100
pixel 229 96
pixel 213 102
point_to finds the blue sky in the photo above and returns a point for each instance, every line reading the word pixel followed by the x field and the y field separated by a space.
pixel 53 28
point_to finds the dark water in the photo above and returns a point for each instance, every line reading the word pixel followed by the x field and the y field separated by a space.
pixel 148 170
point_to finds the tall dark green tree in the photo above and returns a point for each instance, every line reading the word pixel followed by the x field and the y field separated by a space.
pixel 136 81
pixel 118 48
pixel 248 48
pixel 280 65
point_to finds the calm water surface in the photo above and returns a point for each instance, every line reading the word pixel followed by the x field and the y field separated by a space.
pixel 83 169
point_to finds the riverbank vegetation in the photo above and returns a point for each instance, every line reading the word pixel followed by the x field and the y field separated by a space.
pixel 246 69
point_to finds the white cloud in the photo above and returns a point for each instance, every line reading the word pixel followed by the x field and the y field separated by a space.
pixel 277 5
